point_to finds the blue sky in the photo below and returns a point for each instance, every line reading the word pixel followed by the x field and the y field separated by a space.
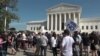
pixel 29 10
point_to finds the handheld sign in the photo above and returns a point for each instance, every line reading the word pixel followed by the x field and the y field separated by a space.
pixel 71 25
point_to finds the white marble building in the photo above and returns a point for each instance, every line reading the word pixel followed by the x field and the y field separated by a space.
pixel 36 25
pixel 90 24
pixel 58 15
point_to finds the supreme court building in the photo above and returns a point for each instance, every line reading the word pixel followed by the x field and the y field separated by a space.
pixel 59 14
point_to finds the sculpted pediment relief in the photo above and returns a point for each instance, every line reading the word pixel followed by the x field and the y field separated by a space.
pixel 64 7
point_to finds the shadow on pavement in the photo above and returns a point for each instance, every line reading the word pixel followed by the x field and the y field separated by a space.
pixel 50 51
pixel 9 54
pixel 28 53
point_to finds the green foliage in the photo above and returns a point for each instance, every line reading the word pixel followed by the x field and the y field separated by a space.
pixel 10 13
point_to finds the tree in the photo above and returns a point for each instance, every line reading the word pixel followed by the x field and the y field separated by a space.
pixel 10 13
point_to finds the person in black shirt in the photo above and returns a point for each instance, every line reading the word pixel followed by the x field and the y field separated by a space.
pixel 86 43
pixel 94 43
pixel 5 45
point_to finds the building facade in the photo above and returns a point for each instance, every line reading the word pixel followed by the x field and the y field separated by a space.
pixel 59 14
pixel 90 24
pixel 36 25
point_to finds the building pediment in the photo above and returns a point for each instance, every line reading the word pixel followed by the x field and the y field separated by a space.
pixel 64 7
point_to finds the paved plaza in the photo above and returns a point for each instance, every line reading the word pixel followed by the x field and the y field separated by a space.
pixel 29 52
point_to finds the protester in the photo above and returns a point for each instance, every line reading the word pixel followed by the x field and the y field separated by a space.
pixel 59 40
pixel 1 46
pixel 76 46
pixel 24 41
pixel 37 42
pixel 44 42
pixel 67 42
pixel 11 43
pixel 30 40
pixel 69 45
pixel 54 43
pixel 5 45
pixel 18 41
pixel 86 43
pixel 94 43
pixel 48 35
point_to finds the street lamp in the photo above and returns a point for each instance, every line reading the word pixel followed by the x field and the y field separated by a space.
pixel 5 22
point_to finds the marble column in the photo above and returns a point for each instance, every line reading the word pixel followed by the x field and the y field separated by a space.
pixel 52 22
pixel 60 22
pixel 78 20
pixel 69 16
pixel 74 18
pixel 48 21
pixel 65 18
pixel 56 22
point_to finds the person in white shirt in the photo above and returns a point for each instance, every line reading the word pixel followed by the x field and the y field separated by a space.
pixel 67 42
pixel 54 43
pixel 24 37
pixel 24 41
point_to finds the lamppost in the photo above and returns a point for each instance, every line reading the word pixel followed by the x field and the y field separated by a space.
pixel 5 22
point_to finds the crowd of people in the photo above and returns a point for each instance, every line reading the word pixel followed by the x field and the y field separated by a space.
pixel 66 44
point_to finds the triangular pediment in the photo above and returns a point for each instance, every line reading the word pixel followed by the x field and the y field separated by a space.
pixel 64 6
